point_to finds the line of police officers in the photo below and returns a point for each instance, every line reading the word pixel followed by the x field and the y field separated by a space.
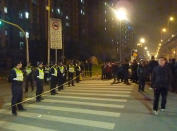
pixel 56 74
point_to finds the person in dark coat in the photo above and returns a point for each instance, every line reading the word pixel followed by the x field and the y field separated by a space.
pixel 142 74
pixel 161 79
pixel 134 71
pixel 54 79
pixel 16 77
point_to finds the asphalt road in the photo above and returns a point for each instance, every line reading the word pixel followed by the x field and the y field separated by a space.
pixel 92 105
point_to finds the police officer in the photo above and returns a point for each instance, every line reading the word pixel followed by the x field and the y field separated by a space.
pixel 142 75
pixel 39 77
pixel 46 73
pixel 54 79
pixel 16 77
pixel 61 76
pixel 78 71
pixel 71 71
pixel 29 77
pixel 161 79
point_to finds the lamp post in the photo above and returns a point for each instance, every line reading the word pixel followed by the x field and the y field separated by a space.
pixel 163 30
pixel 121 15
pixel 26 37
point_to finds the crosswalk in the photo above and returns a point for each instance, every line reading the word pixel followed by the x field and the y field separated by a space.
pixel 91 105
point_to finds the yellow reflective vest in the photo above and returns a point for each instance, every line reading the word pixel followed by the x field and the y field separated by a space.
pixel 41 74
pixel 19 75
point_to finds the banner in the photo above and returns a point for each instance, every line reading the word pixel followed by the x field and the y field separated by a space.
pixel 55 33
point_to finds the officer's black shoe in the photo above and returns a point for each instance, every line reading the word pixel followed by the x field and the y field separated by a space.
pixel 38 100
pixel 14 113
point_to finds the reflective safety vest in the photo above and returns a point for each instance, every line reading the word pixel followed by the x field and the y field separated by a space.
pixel 41 74
pixel 19 75
pixel 61 69
pixel 79 68
pixel 55 72
pixel 28 70
pixel 46 69
pixel 71 69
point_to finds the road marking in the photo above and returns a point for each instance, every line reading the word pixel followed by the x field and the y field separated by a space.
pixel 74 121
pixel 84 103
pixel 94 88
pixel 100 91
pixel 76 110
pixel 92 94
pixel 91 98
pixel 19 126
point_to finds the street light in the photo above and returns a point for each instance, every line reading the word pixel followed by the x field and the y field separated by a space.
pixel 121 15
pixel 145 48
pixel 171 18
pixel 164 30
pixel 142 40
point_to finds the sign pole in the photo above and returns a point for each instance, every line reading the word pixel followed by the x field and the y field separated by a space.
pixel 48 55
pixel 56 56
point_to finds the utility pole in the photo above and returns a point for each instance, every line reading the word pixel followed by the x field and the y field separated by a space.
pixel 48 52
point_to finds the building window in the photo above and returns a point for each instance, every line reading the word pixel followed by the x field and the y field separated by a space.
pixel 5 10
pixel 5 32
pixel 67 17
pixel 27 34
pixel 67 24
pixel 105 3
pixel 58 11
pixel 21 45
pixel 21 34
pixel 21 15
pixel 105 28
pixel 105 20
pixel 82 1
pixel 27 15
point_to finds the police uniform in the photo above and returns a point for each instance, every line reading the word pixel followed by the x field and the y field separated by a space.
pixel 29 78
pixel 61 75
pixel 46 72
pixel 71 70
pixel 16 77
pixel 78 71
pixel 53 82
pixel 40 83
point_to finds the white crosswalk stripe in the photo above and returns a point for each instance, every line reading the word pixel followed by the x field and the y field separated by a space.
pixel 75 121
pixel 95 99
pixel 20 126
pixel 91 98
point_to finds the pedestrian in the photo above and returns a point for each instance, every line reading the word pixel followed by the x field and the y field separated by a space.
pixel 46 74
pixel 16 77
pixel 71 71
pixel 142 74
pixel 39 77
pixel 54 79
pixel 134 71
pixel 125 71
pixel 29 77
pixel 161 79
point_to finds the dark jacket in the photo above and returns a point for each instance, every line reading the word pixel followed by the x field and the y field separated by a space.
pixel 142 72
pixel 161 77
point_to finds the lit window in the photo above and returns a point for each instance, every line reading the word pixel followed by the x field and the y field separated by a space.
pixel 21 15
pixel 52 10
pixel 105 29
pixel 59 11
pixel 5 32
pixel 67 24
pixel 21 34
pixel 5 10
pixel 67 17
pixel 81 11
pixel 27 15
pixel 105 20
pixel 27 34
pixel 21 44
pixel 82 1
pixel 105 3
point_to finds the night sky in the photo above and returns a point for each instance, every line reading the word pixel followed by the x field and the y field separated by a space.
pixel 148 17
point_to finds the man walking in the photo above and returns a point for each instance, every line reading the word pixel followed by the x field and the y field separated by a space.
pixel 161 79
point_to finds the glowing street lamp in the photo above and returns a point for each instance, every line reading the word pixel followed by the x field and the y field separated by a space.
pixel 164 30
pixel 145 48
pixel 142 40
pixel 121 14
pixel 171 18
